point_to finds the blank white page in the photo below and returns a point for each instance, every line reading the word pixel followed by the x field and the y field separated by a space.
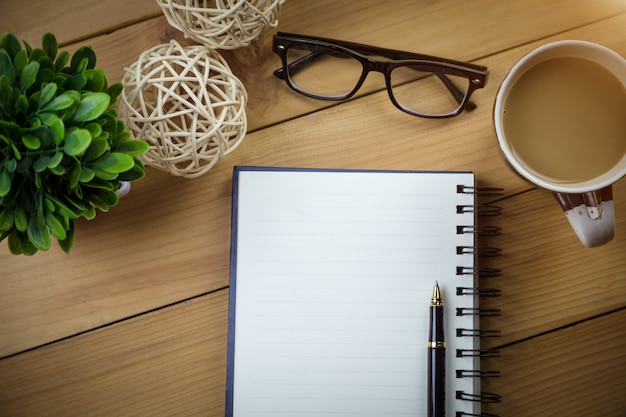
pixel 332 273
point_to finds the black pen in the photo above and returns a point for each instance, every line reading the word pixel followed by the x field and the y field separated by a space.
pixel 436 357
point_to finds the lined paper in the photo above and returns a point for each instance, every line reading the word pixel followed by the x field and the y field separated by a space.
pixel 333 272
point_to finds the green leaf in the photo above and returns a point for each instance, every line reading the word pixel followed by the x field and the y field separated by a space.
pixel 76 142
pixel 86 174
pixel 20 218
pixel 62 59
pixel 45 62
pixel 55 160
pixel 49 43
pixel 16 151
pixel 135 173
pixel 97 148
pixel 28 75
pixel 11 44
pixel 47 118
pixel 45 75
pixel 6 67
pixel 84 58
pixel 55 226
pixel 104 175
pixel 115 162
pixel 74 176
pixel 11 164
pixel 133 147
pixel 95 80
pixel 24 165
pixel 101 205
pixel 41 163
pixel 61 208
pixel 36 53
pixel 57 170
pixel 47 94
pixel 57 129
pixel 22 105
pixel 91 106
pixel 67 243
pixel 49 205
pixel 95 129
pixel 90 213
pixel 15 247
pixel 100 184
pixel 5 182
pixel 114 91
pixel 110 197
pixel 44 135
pixel 37 180
pixel 38 233
pixel 78 82
pixel 31 141
pixel 61 102
pixel 6 219
pixel 6 91
pixel 20 61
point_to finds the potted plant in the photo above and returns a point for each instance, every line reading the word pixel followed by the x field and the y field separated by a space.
pixel 63 152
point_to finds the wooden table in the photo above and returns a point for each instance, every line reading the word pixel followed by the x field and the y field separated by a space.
pixel 133 322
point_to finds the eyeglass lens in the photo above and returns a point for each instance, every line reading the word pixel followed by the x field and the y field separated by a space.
pixel 424 91
pixel 323 72
pixel 331 74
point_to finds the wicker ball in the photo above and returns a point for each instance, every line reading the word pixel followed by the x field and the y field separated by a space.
pixel 186 104
pixel 222 24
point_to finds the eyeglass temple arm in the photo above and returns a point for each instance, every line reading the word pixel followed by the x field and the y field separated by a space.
pixel 456 92
pixel 300 63
pixel 307 59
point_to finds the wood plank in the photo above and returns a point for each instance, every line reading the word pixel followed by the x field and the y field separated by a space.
pixel 71 21
pixel 169 239
pixel 170 362
pixel 577 372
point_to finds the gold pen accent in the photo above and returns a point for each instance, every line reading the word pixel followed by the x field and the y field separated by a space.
pixel 435 299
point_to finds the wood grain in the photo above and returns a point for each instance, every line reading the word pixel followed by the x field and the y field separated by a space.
pixel 168 239
pixel 71 21
pixel 133 322
pixel 172 362
pixel 577 371
pixel 168 363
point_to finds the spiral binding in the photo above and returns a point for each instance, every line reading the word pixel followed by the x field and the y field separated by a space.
pixel 481 292
pixel 478 273
pixel 477 353
pixel 480 209
pixel 477 333
pixel 473 373
pixel 483 397
pixel 479 230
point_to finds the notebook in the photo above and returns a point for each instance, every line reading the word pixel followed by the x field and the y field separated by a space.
pixel 331 277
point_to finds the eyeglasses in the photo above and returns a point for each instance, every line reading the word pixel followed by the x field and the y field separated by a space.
pixel 421 85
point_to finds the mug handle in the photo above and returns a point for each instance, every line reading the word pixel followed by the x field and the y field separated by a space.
pixel 591 215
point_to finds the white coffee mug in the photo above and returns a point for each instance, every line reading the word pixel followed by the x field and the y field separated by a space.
pixel 525 110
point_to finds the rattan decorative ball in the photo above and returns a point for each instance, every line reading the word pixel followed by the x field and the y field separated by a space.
pixel 185 102
pixel 222 24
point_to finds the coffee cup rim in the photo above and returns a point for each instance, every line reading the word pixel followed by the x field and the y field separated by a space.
pixel 606 179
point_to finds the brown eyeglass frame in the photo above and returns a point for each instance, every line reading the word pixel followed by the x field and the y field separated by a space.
pixel 476 74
